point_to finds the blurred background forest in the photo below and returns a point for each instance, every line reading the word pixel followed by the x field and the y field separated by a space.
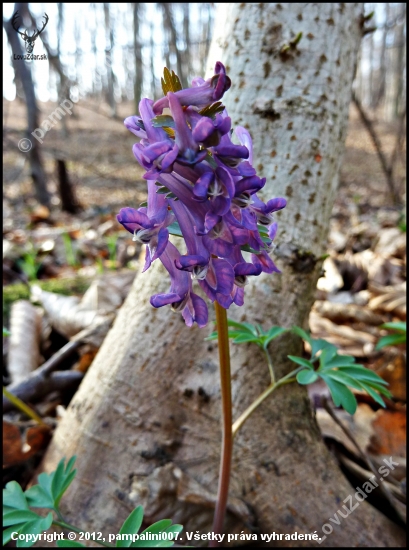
pixel 61 193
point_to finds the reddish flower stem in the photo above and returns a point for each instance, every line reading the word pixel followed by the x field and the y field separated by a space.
pixel 227 438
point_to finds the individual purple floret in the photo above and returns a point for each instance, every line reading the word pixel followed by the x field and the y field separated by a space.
pixel 202 186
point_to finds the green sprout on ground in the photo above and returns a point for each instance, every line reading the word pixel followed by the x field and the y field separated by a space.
pixel 20 520
pixel 339 372
pixel 29 264
pixel 399 336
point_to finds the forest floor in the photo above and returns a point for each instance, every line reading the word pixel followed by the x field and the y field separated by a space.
pixel 89 256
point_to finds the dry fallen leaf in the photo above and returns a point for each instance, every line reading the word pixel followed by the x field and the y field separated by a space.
pixel 18 447
pixel 332 279
pixel 24 342
pixel 391 366
pixel 341 313
pixel 389 436
pixel 40 213
pixel 349 340
pixel 360 426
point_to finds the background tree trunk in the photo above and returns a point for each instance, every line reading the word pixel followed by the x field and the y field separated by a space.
pixel 69 201
pixel 379 93
pixel 400 60
pixel 23 73
pixel 169 25
pixel 148 411
pixel 137 8
pixel 109 33
pixel 152 61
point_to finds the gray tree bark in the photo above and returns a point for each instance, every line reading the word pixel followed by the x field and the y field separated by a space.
pixel 400 60
pixel 137 8
pixel 381 82
pixel 145 422
pixel 169 25
pixel 109 32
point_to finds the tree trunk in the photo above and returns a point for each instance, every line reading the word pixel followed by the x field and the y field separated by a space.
pixel 381 85
pixel 69 201
pixel 148 410
pixel 371 63
pixel 206 21
pixel 23 73
pixel 109 33
pixel 187 54
pixel 138 56
pixel 400 60
pixel 169 25
pixel 152 61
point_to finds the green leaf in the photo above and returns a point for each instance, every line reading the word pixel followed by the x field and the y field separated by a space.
pixel 361 373
pixel 143 204
pixel 8 532
pixel 377 387
pixel 18 516
pixel 37 497
pixel 398 325
pixel 174 229
pixel 163 120
pixel 242 338
pixel 344 378
pixel 235 333
pixel 162 190
pixel 170 82
pixel 34 528
pixel 301 361
pixel 131 526
pixel 274 332
pixel 307 376
pixel 157 529
pixel 13 496
pixel 247 248
pixel 391 340
pixel 62 478
pixel 231 333
pixel 175 528
pixel 300 332
pixel 318 344
pixel 262 229
pixel 341 395
pixel 328 352
pixel 56 483
pixel 339 361
pixel 152 543
pixel 6 332
pixel 245 327
pixel 69 544
pixel 70 464
pixel 375 396
pixel 154 529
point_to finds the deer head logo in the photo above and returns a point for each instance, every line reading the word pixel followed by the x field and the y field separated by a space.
pixel 29 40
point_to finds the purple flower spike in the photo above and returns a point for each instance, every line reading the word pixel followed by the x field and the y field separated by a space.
pixel 136 126
pixel 211 90
pixel 206 184
pixel 208 132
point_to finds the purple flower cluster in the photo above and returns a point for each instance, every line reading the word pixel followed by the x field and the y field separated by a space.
pixel 205 186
